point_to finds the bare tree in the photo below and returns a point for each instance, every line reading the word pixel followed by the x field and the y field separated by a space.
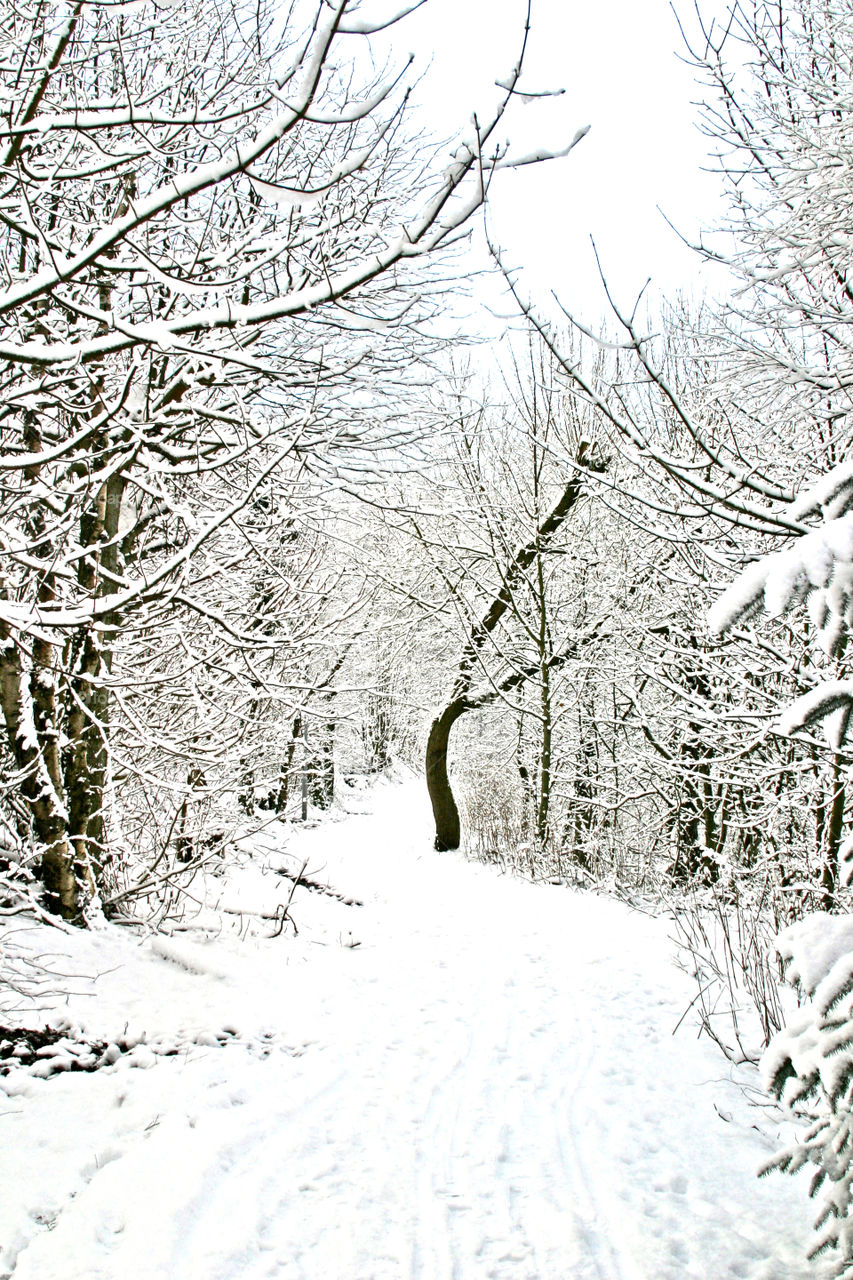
pixel 511 507
pixel 198 203
pixel 722 413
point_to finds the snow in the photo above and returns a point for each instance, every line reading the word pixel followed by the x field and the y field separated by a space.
pixel 818 563
pixel 465 1076
pixel 830 494
pixel 812 947
pixel 824 702
pixel 741 598
pixel 287 197
pixel 536 157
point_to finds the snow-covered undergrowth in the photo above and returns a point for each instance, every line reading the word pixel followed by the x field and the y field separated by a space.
pixel 727 946
pixel 809 1067
pixel 466 1075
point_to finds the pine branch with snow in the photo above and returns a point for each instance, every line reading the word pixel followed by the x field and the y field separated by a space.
pixel 808 1067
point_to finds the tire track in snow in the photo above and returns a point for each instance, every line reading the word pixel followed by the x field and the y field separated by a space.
pixel 465 1144
pixel 500 1138
pixel 599 1246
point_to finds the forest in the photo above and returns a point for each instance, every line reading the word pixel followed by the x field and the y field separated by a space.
pixel 271 529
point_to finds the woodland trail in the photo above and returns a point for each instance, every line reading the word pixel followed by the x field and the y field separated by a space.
pixel 485 1085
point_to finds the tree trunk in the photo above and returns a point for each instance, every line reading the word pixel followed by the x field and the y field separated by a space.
pixel 246 787
pixel 285 773
pixel 28 705
pixel 833 826
pixel 461 700
pixel 445 812
pixel 543 809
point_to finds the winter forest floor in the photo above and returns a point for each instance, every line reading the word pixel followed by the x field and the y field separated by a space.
pixel 465 1076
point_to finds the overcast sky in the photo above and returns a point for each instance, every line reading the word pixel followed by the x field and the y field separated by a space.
pixel 618 62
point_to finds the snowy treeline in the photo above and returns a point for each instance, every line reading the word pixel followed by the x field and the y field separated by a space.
pixel 269 539
pixel 264 530
pixel 218 239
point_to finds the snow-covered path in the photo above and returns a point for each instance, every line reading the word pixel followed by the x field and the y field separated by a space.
pixel 487 1085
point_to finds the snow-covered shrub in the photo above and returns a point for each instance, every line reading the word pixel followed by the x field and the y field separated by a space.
pixel 492 812
pixel 31 979
pixel 808 1067
pixel 726 945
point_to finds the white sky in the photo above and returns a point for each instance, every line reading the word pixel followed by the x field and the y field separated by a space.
pixel 617 60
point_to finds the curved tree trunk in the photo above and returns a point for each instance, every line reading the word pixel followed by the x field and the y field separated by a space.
pixel 463 698
pixel 444 809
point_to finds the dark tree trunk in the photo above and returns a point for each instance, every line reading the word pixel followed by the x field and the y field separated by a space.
pixel 447 831
pixel 830 836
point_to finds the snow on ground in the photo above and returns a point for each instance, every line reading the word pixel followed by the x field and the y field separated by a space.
pixel 467 1076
